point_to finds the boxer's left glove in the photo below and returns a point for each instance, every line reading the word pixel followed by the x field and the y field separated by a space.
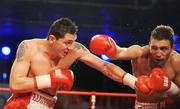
pixel 59 78
pixel 102 44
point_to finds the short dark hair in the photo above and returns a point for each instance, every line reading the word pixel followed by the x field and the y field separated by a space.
pixel 62 26
pixel 163 32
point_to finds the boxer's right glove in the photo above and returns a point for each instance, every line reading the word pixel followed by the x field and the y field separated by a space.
pixel 102 44
pixel 62 78
pixel 144 85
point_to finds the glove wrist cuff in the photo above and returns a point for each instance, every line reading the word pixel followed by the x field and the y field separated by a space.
pixel 129 80
pixel 173 90
pixel 43 81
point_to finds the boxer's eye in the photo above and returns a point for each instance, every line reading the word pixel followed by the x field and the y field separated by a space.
pixel 68 43
pixel 154 48
pixel 164 48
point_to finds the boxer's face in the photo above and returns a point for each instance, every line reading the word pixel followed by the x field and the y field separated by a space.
pixel 62 46
pixel 159 51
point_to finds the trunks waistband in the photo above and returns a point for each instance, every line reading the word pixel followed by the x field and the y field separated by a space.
pixel 150 105
pixel 44 98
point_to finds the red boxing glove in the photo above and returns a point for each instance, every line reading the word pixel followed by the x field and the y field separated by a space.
pixel 159 80
pixel 143 85
pixel 102 44
pixel 62 78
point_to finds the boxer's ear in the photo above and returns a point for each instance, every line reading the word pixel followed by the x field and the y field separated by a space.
pixel 51 38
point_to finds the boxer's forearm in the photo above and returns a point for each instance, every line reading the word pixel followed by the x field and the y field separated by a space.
pixel 129 53
pixel 117 74
pixel 114 72
pixel 22 85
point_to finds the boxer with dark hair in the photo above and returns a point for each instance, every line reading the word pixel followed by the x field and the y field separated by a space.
pixel 42 66
pixel 155 65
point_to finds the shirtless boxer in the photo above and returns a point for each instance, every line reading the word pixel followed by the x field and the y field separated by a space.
pixel 42 66
pixel 155 65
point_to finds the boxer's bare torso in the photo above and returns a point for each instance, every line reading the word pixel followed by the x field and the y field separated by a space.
pixel 142 66
pixel 40 62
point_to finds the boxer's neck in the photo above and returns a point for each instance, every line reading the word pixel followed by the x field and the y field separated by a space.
pixel 152 64
pixel 47 49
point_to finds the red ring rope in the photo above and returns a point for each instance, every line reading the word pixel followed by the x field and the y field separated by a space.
pixel 86 93
pixel 93 95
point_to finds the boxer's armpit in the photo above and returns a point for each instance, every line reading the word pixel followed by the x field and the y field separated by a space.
pixel 21 51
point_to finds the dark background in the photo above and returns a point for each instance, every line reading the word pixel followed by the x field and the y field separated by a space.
pixel 126 21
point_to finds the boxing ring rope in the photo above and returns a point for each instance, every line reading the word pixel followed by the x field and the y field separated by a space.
pixel 93 94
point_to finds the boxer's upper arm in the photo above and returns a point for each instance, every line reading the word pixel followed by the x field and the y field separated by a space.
pixel 20 68
pixel 175 63
pixel 92 60
pixel 177 81
pixel 129 53
pixel 110 70
pixel 86 56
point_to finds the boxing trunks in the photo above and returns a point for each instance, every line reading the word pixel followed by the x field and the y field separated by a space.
pixel 150 105
pixel 34 100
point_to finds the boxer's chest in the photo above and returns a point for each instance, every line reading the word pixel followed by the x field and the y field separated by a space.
pixel 41 64
pixel 142 67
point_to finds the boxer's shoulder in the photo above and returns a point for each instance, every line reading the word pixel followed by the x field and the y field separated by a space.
pixel 146 50
pixel 27 44
pixel 35 45
pixel 175 60
pixel 28 47
pixel 143 58
pixel 175 56
pixel 80 47
pixel 23 50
